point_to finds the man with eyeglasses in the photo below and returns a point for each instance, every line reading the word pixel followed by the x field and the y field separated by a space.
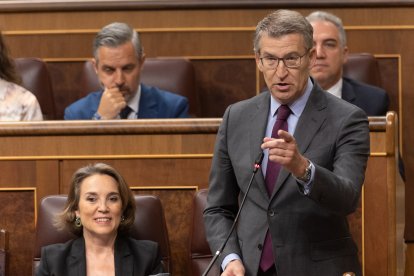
pixel 331 53
pixel 315 147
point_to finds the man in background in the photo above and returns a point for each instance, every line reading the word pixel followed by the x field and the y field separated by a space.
pixel 118 61
pixel 331 53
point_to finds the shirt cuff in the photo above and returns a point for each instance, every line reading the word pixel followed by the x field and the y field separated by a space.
pixel 96 116
pixel 228 259
pixel 307 186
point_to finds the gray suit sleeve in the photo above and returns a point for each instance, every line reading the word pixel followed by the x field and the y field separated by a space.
pixel 337 186
pixel 222 200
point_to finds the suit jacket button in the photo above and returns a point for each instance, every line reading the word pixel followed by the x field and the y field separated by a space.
pixel 271 213
pixel 260 246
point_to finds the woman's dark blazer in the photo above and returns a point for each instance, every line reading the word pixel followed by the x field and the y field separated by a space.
pixel 132 257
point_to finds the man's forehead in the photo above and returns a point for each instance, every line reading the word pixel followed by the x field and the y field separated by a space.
pixel 116 57
pixel 126 50
pixel 286 44
pixel 325 28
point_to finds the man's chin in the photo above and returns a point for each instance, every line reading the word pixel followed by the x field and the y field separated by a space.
pixel 319 76
pixel 320 71
pixel 127 94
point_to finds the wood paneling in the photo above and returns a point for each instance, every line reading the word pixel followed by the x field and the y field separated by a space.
pixel 17 216
pixel 170 159
pixel 218 39
pixel 221 82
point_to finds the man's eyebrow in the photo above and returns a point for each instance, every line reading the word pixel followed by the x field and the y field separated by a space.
pixel 330 40
pixel 107 66
pixel 265 54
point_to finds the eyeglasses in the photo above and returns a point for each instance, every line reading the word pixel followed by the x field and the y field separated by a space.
pixel 291 61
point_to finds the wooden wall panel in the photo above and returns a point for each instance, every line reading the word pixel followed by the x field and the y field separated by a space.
pixel 177 205
pixel 222 36
pixel 65 77
pixel 167 172
pixel 391 79
pixel 171 159
pixel 221 82
pixel 17 217
pixel 376 219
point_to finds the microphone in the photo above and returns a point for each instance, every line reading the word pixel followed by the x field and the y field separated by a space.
pixel 256 167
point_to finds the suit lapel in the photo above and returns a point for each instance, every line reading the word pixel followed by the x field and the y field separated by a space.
pixel 123 258
pixel 148 106
pixel 308 125
pixel 76 260
pixel 348 93
pixel 258 125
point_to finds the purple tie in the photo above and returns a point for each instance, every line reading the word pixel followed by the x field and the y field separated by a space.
pixel 272 172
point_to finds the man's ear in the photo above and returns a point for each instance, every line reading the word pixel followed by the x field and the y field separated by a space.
pixel 141 61
pixel 258 62
pixel 95 65
pixel 312 57
pixel 345 54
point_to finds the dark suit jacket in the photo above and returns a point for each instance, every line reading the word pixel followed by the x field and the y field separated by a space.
pixel 310 234
pixel 373 100
pixel 154 103
pixel 132 257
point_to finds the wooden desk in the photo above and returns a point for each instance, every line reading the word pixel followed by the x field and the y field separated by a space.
pixel 171 159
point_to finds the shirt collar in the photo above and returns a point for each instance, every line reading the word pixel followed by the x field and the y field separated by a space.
pixel 336 89
pixel 297 106
pixel 133 103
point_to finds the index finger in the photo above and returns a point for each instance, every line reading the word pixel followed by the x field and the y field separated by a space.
pixel 285 136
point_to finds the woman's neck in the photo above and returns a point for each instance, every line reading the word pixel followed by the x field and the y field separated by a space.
pixel 94 243
pixel 100 256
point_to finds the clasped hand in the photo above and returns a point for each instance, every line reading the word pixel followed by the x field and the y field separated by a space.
pixel 112 102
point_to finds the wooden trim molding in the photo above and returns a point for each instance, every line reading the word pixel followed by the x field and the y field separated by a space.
pixel 79 5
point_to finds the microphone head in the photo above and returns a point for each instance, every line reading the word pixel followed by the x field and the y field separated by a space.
pixel 258 162
pixel 259 159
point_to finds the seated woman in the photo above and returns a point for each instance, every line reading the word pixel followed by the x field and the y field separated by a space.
pixel 16 103
pixel 100 210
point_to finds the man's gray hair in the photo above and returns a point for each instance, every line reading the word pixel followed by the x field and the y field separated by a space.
pixel 283 22
pixel 329 17
pixel 114 35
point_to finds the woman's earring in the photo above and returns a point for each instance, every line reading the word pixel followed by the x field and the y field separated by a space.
pixel 78 222
pixel 122 218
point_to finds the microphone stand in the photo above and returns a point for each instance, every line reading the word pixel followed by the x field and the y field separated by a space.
pixel 256 167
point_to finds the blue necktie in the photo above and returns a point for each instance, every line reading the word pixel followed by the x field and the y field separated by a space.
pixel 125 112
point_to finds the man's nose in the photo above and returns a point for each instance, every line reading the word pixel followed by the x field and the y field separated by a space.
pixel 119 78
pixel 320 51
pixel 281 70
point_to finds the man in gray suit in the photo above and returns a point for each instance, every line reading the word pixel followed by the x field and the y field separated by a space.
pixel 323 155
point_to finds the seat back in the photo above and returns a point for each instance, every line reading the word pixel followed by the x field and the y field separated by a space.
pixel 363 67
pixel 3 251
pixel 149 225
pixel 200 254
pixel 172 74
pixel 36 79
